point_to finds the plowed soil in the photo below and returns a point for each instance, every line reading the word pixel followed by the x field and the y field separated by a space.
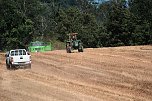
pixel 101 74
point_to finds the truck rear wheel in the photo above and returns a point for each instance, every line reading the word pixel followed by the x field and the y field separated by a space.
pixel 29 66
pixel 10 66
pixel 7 66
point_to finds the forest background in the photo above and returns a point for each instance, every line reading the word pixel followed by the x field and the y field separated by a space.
pixel 110 23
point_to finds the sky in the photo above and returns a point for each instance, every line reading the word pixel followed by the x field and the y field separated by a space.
pixel 100 1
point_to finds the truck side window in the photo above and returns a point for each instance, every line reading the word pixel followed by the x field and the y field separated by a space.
pixel 24 53
pixel 16 53
pixel 7 54
pixel 20 52
pixel 12 53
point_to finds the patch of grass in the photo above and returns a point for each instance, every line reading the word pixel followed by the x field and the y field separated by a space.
pixel 57 45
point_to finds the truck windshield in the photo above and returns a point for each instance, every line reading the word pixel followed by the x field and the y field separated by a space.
pixel 18 52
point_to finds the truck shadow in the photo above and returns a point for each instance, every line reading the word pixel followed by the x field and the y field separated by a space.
pixel 18 68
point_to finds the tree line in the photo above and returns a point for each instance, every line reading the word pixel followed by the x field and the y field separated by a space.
pixel 111 23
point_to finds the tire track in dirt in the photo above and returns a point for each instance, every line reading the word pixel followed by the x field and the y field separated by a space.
pixel 66 84
pixel 108 74
pixel 122 73
pixel 91 90
pixel 6 80
pixel 51 82
pixel 48 61
pixel 5 83
pixel 5 75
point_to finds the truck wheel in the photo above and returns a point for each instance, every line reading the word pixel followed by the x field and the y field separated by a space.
pixel 29 66
pixel 10 66
pixel 7 66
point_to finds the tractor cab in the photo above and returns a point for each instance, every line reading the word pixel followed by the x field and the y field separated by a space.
pixel 73 43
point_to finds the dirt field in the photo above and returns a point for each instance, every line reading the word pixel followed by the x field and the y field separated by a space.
pixel 103 74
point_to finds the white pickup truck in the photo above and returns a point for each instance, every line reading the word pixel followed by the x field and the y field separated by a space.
pixel 18 58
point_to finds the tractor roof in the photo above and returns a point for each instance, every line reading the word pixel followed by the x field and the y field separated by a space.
pixel 72 34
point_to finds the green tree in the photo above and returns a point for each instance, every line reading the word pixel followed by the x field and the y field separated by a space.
pixel 72 20
pixel 142 10
pixel 14 26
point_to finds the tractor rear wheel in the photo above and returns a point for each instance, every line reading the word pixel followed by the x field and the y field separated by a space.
pixel 80 49
pixel 68 49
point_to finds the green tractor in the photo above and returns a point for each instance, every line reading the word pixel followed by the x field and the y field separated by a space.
pixel 72 43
